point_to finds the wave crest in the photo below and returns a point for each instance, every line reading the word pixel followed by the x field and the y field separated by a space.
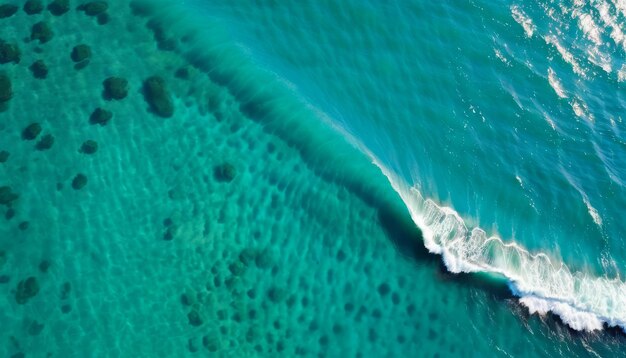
pixel 583 302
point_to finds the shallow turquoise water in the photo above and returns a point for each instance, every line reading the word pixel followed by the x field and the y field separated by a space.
pixel 283 208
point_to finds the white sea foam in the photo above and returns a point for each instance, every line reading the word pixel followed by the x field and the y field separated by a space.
pixel 589 28
pixel 621 74
pixel 583 302
pixel 556 84
pixel 592 212
pixel 566 55
pixel 581 109
pixel 578 320
pixel 521 18
pixel 501 57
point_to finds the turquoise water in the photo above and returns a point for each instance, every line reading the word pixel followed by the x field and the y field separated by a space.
pixel 323 178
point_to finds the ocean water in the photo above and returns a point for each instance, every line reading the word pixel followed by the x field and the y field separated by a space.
pixel 315 178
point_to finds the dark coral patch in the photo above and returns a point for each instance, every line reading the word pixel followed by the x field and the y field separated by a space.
pixel 41 31
pixel 89 147
pixel 100 116
pixel 81 54
pixel 7 10
pixel 79 181
pixel 32 7
pixel 94 8
pixel 45 142
pixel 31 132
pixel 158 97
pixel 7 196
pixel 6 90
pixel 59 7
pixel 115 88
pixel 39 69
pixel 194 318
pixel 9 52
pixel 224 172
pixel 26 289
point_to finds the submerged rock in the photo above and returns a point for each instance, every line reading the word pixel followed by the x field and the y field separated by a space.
pixel 9 215
pixel 6 90
pixel 34 328
pixel 9 52
pixel 45 142
pixel 115 88
pixel 59 7
pixel 94 8
pixel 7 196
pixel 41 31
pixel 89 147
pixel 100 116
pixel 31 132
pixel 103 18
pixel 79 181
pixel 81 53
pixel 194 318
pixel 26 289
pixel 224 172
pixel 164 42
pixel 32 7
pixel 39 69
pixel 7 10
pixel 158 97
pixel 44 265
pixel 23 225
pixel 4 156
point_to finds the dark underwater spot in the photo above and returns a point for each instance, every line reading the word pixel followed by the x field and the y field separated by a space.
pixel 23 226
pixel 79 181
pixel 66 288
pixel 115 88
pixel 26 289
pixel 384 289
pixel 100 116
pixel 158 97
pixel 81 54
pixel 34 328
pixel 32 7
pixel 9 52
pixel 45 142
pixel 6 90
pixel 194 318
pixel 59 7
pixel 4 156
pixel 93 8
pixel 44 266
pixel 191 345
pixel 42 32
pixel 224 172
pixel 89 147
pixel 39 69
pixel 7 10
pixel 32 131
pixel 164 43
